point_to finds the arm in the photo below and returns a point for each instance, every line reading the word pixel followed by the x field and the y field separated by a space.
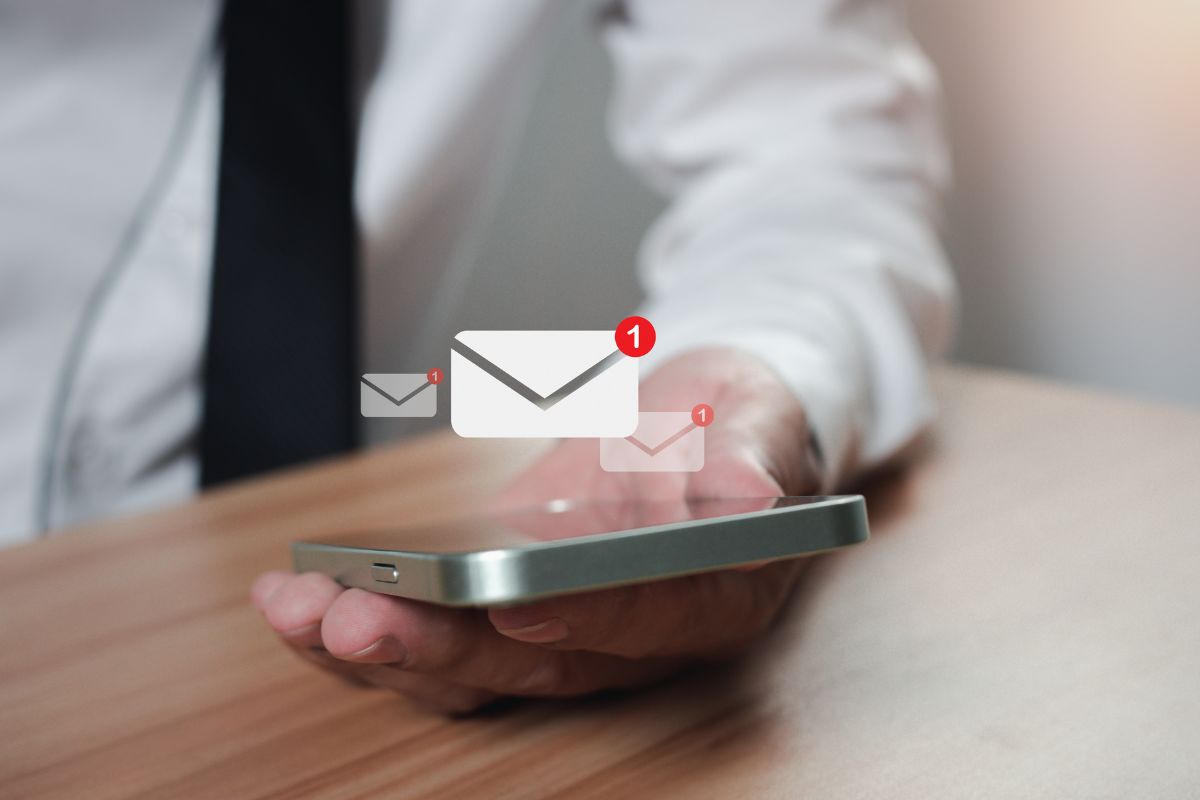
pixel 799 144
pixel 795 285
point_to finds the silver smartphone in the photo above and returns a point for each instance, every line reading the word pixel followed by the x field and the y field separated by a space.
pixel 563 548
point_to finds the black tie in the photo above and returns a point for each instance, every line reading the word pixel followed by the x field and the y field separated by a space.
pixel 280 367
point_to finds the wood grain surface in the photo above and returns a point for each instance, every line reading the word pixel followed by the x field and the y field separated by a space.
pixel 1024 623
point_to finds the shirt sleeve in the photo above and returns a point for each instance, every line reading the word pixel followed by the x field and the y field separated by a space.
pixel 799 145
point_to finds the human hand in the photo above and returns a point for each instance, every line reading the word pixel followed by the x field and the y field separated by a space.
pixel 455 660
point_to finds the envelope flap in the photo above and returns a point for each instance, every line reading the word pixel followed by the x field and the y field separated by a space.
pixel 396 384
pixel 655 427
pixel 542 360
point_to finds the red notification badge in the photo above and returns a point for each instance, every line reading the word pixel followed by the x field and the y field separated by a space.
pixel 434 376
pixel 702 415
pixel 635 336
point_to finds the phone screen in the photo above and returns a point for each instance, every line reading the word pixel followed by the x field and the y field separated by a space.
pixel 558 520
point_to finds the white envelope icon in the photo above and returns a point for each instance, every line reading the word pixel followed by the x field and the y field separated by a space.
pixel 541 383
pixel 397 395
pixel 665 441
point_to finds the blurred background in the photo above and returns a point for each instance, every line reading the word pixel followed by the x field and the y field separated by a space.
pixel 1074 225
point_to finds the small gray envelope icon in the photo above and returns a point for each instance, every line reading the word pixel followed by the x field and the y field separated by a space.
pixel 397 395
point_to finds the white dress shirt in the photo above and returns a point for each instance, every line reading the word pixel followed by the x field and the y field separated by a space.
pixel 797 143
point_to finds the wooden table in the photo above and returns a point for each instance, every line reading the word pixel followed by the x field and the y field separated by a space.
pixel 1024 623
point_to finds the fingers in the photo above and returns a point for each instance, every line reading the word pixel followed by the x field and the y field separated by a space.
pixel 295 605
pixel 265 585
pixel 461 647
pixel 427 691
pixel 697 615
pixel 450 660
pixel 453 644
pixel 319 657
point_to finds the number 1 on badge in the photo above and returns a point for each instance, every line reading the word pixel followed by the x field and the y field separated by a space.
pixel 635 336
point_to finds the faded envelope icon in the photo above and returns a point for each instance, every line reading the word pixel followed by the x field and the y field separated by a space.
pixel 541 383
pixel 665 441
pixel 397 395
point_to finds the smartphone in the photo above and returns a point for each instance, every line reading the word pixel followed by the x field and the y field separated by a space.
pixel 517 557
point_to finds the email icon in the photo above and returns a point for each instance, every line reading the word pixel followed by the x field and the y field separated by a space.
pixel 665 441
pixel 541 383
pixel 397 395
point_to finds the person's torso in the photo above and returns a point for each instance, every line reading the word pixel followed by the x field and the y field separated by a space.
pixel 90 98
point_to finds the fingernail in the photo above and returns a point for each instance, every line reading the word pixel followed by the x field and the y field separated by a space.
pixel 551 630
pixel 385 650
pixel 516 617
pixel 302 633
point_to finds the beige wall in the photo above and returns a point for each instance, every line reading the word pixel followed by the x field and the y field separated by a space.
pixel 1075 224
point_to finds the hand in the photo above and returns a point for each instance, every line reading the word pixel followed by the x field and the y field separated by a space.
pixel 455 660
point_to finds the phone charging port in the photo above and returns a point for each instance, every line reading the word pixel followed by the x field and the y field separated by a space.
pixel 385 573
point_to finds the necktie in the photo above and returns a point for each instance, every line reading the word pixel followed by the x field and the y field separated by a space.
pixel 280 368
